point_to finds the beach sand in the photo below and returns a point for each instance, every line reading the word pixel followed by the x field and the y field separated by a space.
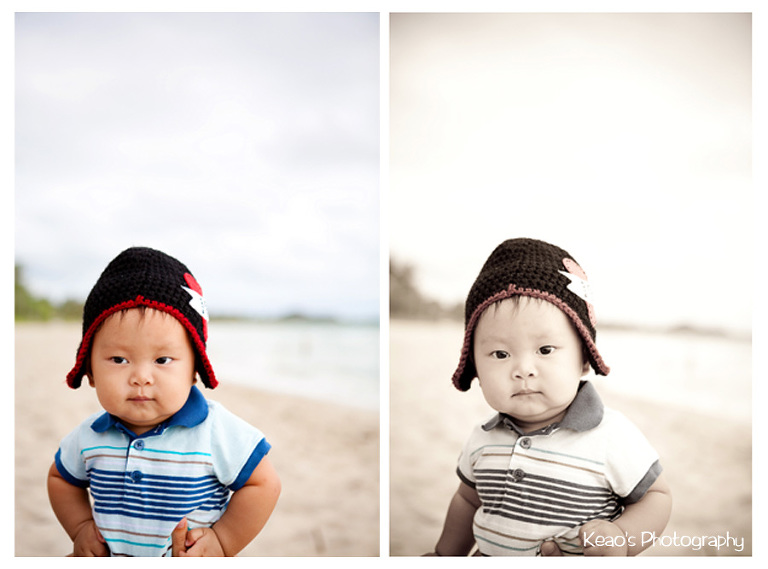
pixel 327 456
pixel 707 461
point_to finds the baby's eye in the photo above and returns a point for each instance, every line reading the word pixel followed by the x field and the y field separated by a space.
pixel 499 354
pixel 118 359
pixel 164 360
pixel 546 350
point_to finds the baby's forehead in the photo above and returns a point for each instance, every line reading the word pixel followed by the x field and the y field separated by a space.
pixel 513 304
pixel 130 320
pixel 140 313
pixel 518 300
pixel 544 316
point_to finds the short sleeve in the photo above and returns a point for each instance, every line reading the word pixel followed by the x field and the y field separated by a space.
pixel 633 464
pixel 468 457
pixel 69 459
pixel 237 447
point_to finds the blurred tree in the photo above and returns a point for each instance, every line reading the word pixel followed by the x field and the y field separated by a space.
pixel 26 306
pixel 406 301
pixel 29 307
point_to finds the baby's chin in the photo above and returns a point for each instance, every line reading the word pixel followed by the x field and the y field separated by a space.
pixel 533 421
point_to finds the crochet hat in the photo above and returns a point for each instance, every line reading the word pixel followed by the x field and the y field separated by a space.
pixel 141 276
pixel 527 267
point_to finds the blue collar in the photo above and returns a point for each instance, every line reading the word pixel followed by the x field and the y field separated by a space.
pixel 584 413
pixel 194 412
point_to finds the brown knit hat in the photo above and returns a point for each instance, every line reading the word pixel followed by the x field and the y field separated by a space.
pixel 527 267
pixel 141 276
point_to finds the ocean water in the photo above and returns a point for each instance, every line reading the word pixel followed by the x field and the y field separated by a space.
pixel 326 361
pixel 705 373
pixel 340 362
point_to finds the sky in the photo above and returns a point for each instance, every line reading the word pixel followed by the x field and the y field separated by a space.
pixel 247 145
pixel 625 139
pixel 244 144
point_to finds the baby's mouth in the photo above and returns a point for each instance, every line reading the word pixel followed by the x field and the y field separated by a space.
pixel 140 398
pixel 526 392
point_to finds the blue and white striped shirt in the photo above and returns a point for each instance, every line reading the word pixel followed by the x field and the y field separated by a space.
pixel 143 485
pixel 546 484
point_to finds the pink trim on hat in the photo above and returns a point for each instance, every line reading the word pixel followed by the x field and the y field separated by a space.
pixel 512 290
pixel 76 373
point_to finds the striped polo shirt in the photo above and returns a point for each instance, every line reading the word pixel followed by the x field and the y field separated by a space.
pixel 547 483
pixel 142 486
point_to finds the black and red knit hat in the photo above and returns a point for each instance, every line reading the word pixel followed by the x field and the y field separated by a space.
pixel 527 267
pixel 141 276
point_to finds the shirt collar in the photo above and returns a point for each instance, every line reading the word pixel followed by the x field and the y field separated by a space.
pixel 584 413
pixel 192 413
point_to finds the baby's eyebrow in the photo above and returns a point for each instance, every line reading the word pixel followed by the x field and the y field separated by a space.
pixel 547 333
pixel 165 349
pixel 545 337
pixel 110 345
pixel 496 338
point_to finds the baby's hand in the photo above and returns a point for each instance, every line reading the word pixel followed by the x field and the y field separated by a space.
pixel 89 543
pixel 198 542
pixel 550 549
pixel 603 538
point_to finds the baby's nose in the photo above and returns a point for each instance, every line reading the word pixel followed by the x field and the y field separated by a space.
pixel 142 375
pixel 524 369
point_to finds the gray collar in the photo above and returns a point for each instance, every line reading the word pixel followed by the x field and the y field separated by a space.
pixel 584 413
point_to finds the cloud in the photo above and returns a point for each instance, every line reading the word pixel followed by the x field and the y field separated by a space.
pixel 243 142
pixel 623 138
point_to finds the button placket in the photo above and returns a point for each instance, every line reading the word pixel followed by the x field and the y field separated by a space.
pixel 134 474
pixel 514 473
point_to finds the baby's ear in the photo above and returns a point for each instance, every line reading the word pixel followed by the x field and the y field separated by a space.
pixel 585 366
pixel 90 380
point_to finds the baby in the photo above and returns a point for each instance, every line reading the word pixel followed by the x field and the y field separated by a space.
pixel 169 472
pixel 553 472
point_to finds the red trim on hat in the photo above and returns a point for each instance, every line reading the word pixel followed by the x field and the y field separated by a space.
pixel 597 361
pixel 74 377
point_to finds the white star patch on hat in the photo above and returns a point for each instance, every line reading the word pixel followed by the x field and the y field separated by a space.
pixel 197 302
pixel 578 286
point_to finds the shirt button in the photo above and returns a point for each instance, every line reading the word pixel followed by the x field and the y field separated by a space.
pixel 138 445
pixel 136 476
pixel 518 474
pixel 525 442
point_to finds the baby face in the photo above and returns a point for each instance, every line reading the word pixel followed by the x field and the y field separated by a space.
pixel 142 366
pixel 529 360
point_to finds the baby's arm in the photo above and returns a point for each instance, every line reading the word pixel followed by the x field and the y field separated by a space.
pixel 246 514
pixel 649 514
pixel 73 510
pixel 457 537
pixel 249 509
